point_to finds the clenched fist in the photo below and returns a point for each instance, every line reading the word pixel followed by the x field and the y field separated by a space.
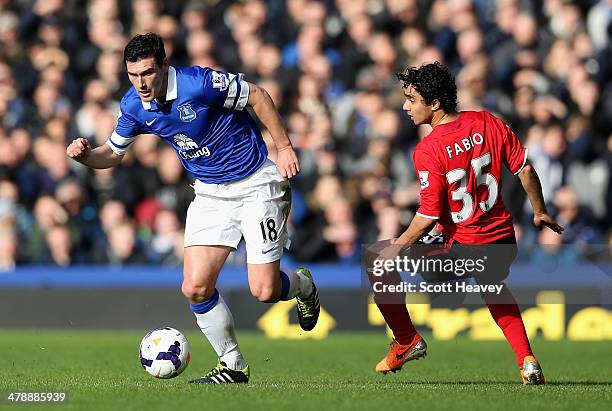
pixel 78 149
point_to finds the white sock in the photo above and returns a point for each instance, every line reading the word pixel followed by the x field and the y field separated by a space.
pixel 217 324
pixel 298 285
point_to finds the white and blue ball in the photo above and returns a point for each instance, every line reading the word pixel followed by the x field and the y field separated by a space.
pixel 164 352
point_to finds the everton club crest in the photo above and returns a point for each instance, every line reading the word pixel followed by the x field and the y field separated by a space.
pixel 186 112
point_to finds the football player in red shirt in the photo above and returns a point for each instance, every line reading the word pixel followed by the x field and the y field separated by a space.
pixel 459 166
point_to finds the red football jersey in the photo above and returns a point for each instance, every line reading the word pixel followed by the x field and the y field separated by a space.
pixel 459 166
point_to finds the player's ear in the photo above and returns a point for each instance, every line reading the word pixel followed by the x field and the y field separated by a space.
pixel 435 105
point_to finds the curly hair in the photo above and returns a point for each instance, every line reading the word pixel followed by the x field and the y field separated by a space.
pixel 143 46
pixel 433 82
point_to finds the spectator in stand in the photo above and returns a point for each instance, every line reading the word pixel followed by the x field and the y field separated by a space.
pixel 330 68
pixel 122 247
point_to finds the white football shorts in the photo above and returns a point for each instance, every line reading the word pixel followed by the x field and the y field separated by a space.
pixel 256 207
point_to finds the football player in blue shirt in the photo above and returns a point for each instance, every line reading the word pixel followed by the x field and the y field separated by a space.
pixel 200 112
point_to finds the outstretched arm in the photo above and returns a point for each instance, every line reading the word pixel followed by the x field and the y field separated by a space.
pixel 261 102
pixel 100 157
pixel 419 226
pixel 533 188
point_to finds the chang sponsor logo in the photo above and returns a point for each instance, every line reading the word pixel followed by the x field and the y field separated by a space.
pixel 186 147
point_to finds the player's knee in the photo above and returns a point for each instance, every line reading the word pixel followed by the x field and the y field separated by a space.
pixel 196 293
pixel 265 293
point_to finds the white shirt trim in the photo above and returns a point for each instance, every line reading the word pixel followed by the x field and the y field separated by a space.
pixel 115 149
pixel 524 162
pixel 172 90
pixel 244 95
pixel 427 216
pixel 231 93
pixel 120 140
pixel 119 144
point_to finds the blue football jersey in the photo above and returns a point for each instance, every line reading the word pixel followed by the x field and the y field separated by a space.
pixel 203 119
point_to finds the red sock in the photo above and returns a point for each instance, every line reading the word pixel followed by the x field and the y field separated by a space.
pixel 508 318
pixel 391 305
pixel 398 319
pixel 393 308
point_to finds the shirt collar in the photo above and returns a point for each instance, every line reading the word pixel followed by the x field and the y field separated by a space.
pixel 171 90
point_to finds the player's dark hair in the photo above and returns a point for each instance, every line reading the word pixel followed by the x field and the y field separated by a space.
pixel 143 46
pixel 434 82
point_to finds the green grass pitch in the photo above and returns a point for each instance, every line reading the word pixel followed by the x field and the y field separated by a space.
pixel 100 370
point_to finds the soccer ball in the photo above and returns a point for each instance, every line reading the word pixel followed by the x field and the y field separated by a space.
pixel 164 352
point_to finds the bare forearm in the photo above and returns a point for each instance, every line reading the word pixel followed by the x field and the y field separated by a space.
pixel 532 186
pixel 264 108
pixel 419 226
pixel 101 157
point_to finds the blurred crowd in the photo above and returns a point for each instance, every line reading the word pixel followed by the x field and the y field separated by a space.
pixel 544 66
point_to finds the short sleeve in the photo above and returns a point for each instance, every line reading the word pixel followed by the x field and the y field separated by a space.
pixel 125 133
pixel 223 89
pixel 433 185
pixel 515 155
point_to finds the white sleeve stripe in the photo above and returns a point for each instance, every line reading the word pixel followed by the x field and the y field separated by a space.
pixel 524 162
pixel 231 93
pixel 244 94
pixel 120 141
pixel 116 150
pixel 427 216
